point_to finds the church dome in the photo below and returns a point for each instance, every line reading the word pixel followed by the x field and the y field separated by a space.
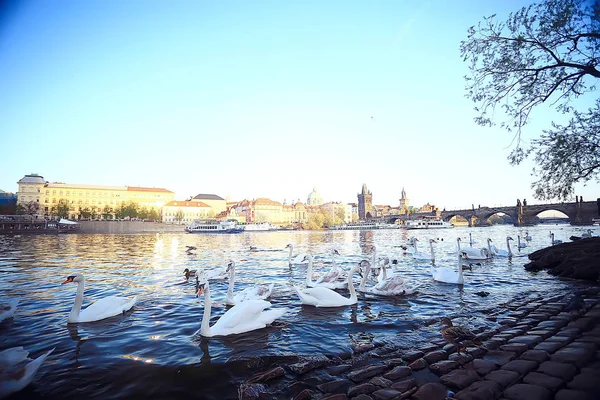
pixel 314 198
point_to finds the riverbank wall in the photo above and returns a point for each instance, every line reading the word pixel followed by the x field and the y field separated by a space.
pixel 125 227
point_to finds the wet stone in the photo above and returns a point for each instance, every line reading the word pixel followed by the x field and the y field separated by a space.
pixel 340 396
pixel 544 333
pixel 507 321
pixel 308 365
pixel 429 348
pixel 480 390
pixel 513 332
pixel 515 347
pixel 564 340
pixel 381 382
pixel 587 382
pixel 362 397
pixel 250 391
pixel 385 394
pixel 499 357
pixel 482 367
pixel 566 372
pixel 366 372
pixel 412 356
pixel 476 352
pixel 267 375
pixel 443 367
pixel 529 340
pixel 303 395
pixel 431 391
pixel 535 355
pixel 362 348
pixel 404 385
pixel 556 324
pixel 520 366
pixel 583 323
pixel 462 359
pixel 591 347
pixel 577 356
pixel 459 378
pixel 504 336
pixel 571 332
pixel 397 373
pixel 418 364
pixel 435 356
pixel 569 394
pixel 547 381
pixel 549 347
pixel 502 377
pixel 493 344
pixel 449 348
pixel 522 391
pixel 393 362
pixel 588 339
pixel 337 386
pixel 338 369
pixel 539 316
pixel 363 388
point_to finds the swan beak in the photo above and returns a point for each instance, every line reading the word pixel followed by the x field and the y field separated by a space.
pixel 200 290
pixel 68 280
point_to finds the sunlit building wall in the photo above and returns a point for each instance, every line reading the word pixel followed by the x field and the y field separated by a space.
pixel 185 212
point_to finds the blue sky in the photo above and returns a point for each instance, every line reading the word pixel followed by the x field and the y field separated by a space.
pixel 253 99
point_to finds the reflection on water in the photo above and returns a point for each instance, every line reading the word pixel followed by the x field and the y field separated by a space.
pixel 156 350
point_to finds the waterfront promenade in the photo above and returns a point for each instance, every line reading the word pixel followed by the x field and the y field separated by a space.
pixel 540 352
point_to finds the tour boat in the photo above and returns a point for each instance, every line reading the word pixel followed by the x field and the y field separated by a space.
pixel 427 223
pixel 258 226
pixel 363 226
pixel 213 226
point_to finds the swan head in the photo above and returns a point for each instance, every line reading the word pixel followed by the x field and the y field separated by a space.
pixel 202 287
pixel 432 241
pixel 386 260
pixel 445 321
pixel 510 238
pixel 335 251
pixel 74 279
pixel 490 240
pixel 307 258
pixel 289 246
pixel 230 265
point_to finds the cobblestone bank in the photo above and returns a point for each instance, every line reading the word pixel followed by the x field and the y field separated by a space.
pixel 540 352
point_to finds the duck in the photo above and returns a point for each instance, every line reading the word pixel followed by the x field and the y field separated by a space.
pixel 520 245
pixel 7 310
pixel 256 292
pixel 448 275
pixel 299 259
pixel 331 284
pixel 471 253
pixel 458 335
pixel 103 308
pixel 190 248
pixel 395 285
pixel 244 317
pixel 501 252
pixel 527 236
pixel 189 273
pixel 324 297
pixel 557 241
pixel 17 370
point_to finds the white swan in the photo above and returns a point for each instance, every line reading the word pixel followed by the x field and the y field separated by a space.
pixel 334 274
pixel 419 255
pixel 324 297
pixel 243 317
pixel 501 252
pixel 471 253
pixel 393 286
pixel 257 292
pixel 215 274
pixel 16 370
pixel 587 234
pixel 448 275
pixel 299 259
pixel 527 236
pixel 7 310
pixel 100 309
pixel 333 284
pixel 554 241
pixel 520 245
pixel 471 241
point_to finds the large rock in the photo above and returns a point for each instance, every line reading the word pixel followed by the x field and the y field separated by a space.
pixel 578 260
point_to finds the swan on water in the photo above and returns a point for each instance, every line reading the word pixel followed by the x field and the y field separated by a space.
pixel 17 370
pixel 501 252
pixel 527 236
pixel 324 297
pixel 7 309
pixel 334 274
pixel 419 255
pixel 520 245
pixel 393 286
pixel 246 316
pixel 256 292
pixel 587 234
pixel 471 253
pixel 557 241
pixel 103 308
pixel 448 275
pixel 332 284
pixel 299 259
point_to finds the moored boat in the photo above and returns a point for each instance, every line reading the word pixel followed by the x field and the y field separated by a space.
pixel 427 223
pixel 213 226
pixel 258 227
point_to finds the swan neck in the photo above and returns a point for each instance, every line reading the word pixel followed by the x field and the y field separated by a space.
pixel 290 255
pixel 309 272
pixel 231 283
pixel 460 271
pixel 508 247
pixel 363 281
pixel 432 253
pixel 458 244
pixel 205 327
pixel 351 285
pixel 74 315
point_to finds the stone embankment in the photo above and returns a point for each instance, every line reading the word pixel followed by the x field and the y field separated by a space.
pixel 542 350
pixel 125 227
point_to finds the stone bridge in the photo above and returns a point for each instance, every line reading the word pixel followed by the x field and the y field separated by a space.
pixel 579 213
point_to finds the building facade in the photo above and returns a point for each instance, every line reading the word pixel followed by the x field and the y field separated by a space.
pixel 404 203
pixel 365 204
pixel 217 203
pixel 184 212
pixel 314 198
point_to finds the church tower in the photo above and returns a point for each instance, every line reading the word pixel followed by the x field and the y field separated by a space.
pixel 404 202
pixel 365 204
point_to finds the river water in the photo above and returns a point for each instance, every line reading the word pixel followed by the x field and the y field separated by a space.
pixel 155 350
